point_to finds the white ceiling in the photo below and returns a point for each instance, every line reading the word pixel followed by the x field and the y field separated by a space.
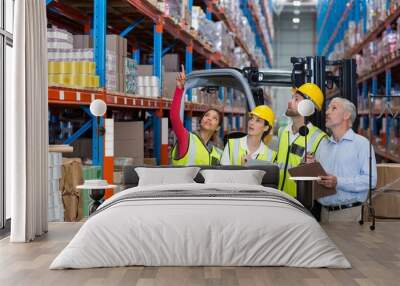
pixel 306 5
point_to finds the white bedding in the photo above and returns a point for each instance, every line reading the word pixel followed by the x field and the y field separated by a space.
pixel 202 231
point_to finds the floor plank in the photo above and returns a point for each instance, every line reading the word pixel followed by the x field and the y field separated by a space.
pixel 375 257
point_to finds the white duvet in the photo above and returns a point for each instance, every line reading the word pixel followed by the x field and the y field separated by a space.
pixel 203 231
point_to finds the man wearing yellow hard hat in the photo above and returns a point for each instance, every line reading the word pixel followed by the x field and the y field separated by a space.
pixel 291 150
pixel 251 147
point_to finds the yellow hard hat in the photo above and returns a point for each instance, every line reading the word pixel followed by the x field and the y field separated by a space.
pixel 312 92
pixel 264 112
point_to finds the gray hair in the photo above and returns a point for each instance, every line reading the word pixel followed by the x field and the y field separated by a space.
pixel 348 107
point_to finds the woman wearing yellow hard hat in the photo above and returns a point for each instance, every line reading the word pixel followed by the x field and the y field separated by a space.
pixel 239 151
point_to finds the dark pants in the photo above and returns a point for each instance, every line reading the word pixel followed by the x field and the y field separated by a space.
pixel 316 210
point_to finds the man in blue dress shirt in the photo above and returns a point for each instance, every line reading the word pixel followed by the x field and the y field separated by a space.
pixel 345 157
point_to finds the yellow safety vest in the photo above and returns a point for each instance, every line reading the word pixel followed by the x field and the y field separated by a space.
pixel 236 152
pixel 197 153
pixel 291 155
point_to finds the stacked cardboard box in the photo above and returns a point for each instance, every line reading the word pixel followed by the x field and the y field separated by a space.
pixel 171 63
pixel 55 205
pixel 112 81
pixel 144 70
pixel 169 84
pixel 83 42
pixel 130 76
pixel 118 46
pixel 129 141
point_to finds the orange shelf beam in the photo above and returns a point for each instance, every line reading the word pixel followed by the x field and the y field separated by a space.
pixel 70 96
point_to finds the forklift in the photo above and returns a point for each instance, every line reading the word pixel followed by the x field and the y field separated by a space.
pixel 316 69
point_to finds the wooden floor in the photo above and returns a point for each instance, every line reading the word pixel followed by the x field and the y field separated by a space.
pixel 375 257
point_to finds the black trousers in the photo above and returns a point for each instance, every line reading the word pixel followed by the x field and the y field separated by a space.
pixel 316 210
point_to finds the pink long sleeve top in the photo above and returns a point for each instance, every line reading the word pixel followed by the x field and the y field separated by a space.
pixel 182 134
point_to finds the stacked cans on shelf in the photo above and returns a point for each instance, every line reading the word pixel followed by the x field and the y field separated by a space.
pixel 68 66
pixel 148 86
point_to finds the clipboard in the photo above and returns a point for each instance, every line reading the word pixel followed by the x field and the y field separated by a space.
pixel 313 170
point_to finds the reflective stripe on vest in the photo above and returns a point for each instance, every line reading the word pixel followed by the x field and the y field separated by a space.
pixel 236 152
pixel 286 160
pixel 197 153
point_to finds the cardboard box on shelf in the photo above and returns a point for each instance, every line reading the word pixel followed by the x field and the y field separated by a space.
pixel 82 42
pixel 169 84
pixel 121 65
pixel 121 82
pixel 123 47
pixel 144 70
pixel 78 43
pixel 129 141
pixel 171 63
pixel 113 43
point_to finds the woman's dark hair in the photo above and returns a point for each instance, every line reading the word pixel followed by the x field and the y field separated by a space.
pixel 220 116
pixel 265 133
pixel 214 137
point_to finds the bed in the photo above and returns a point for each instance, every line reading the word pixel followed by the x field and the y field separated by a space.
pixel 201 224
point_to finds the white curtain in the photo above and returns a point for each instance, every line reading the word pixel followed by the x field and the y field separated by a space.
pixel 26 123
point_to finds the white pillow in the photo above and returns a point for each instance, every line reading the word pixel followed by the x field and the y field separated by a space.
pixel 166 176
pixel 248 177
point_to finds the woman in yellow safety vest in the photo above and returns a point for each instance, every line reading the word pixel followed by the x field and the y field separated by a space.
pixel 194 148
pixel 251 147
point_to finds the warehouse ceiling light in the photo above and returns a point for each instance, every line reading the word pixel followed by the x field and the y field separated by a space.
pixel 296 12
pixel 296 3
pixel 296 20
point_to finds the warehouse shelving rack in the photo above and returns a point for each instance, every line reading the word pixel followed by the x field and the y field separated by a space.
pixel 331 31
pixel 219 13
pixel 262 42
pixel 151 26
